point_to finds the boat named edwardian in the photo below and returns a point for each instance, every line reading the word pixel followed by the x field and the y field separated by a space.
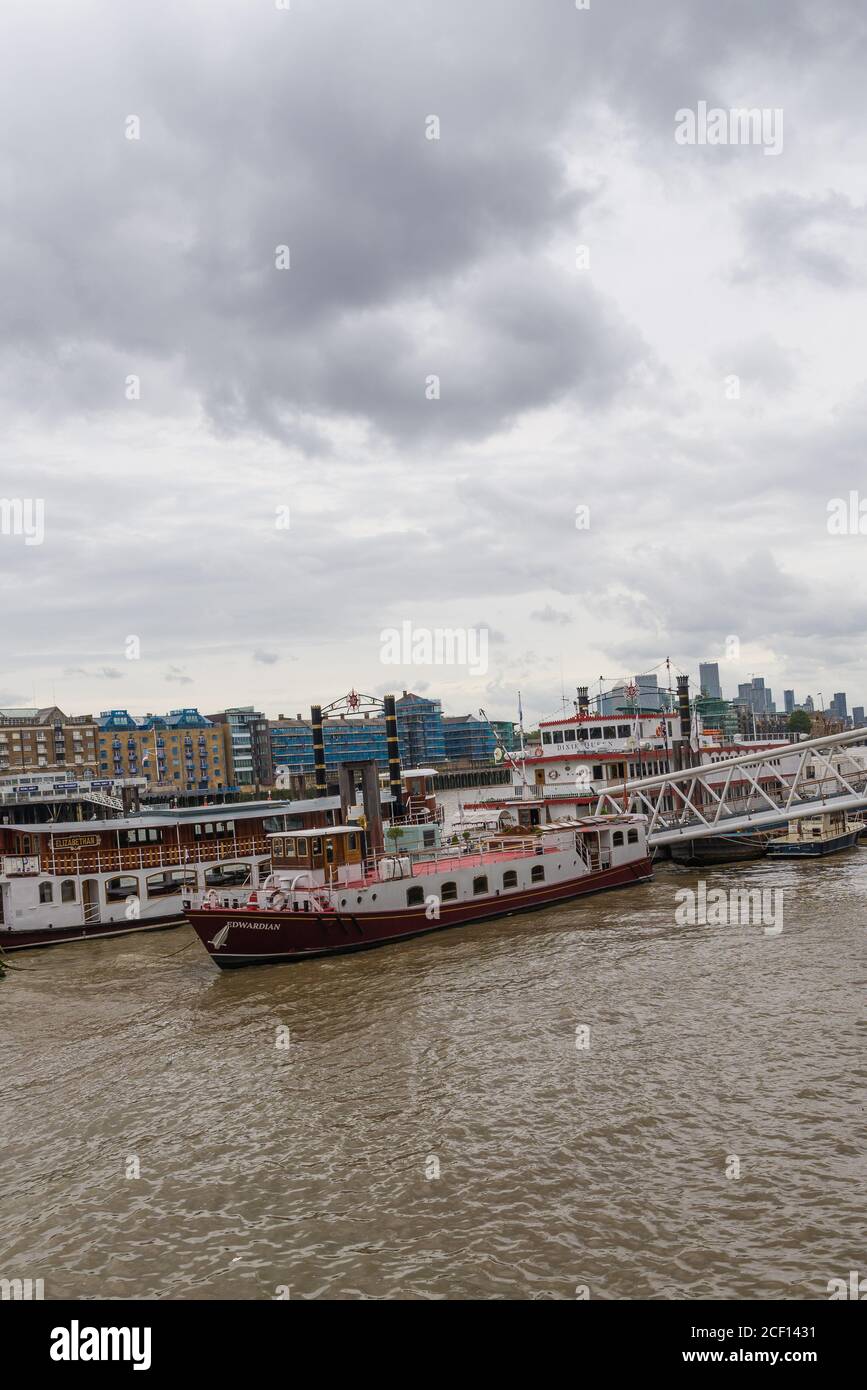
pixel 326 896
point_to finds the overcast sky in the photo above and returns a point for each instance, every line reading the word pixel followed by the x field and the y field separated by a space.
pixel 567 379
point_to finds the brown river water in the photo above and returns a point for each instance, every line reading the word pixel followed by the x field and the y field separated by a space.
pixel 433 1129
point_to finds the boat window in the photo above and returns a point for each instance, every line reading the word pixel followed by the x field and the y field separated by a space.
pixel 510 879
pixel 480 885
pixel 430 838
pixel 329 851
pixel 582 733
pixel 46 893
pixel 351 842
pixel 623 731
pixel 414 897
pixel 537 873
pixel 302 849
pixel 632 837
pixel 67 891
pixel 610 731
pixel 118 888
pixel 617 837
pixel 557 736
pixel 595 731
pixel 448 892
pixel 597 774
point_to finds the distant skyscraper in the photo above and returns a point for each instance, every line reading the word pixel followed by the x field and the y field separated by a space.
pixel 648 692
pixel 789 701
pixel 858 716
pixel 839 705
pixel 808 704
pixel 758 696
pixel 708 679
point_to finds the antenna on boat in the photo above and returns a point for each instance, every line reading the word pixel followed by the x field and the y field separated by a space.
pixel 506 752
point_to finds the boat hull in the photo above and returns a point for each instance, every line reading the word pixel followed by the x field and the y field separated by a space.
pixel 60 936
pixel 720 849
pixel 816 849
pixel 257 937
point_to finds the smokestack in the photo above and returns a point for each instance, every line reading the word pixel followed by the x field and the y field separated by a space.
pixel 321 788
pixel 684 754
pixel 683 706
pixel 393 750
pixel 583 700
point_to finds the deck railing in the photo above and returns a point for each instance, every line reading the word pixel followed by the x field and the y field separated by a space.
pixel 137 858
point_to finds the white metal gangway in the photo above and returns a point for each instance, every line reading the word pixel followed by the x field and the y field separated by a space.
pixel 750 791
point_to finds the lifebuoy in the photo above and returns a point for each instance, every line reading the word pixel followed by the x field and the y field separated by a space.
pixel 553 774
pixel 277 900
pixel 212 900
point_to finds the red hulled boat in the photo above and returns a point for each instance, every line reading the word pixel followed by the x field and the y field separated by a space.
pixel 324 896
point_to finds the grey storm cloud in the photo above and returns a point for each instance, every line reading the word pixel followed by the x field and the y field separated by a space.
pixel 154 259
pixel 549 614
pixel 409 257
pixel 788 235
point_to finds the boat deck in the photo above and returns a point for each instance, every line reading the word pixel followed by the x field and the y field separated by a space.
pixel 450 863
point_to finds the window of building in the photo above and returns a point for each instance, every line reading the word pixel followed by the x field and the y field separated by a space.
pixel 510 879
pixel 537 873
pixel 480 885
pixel 414 897
pixel 46 893
pixel 448 892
